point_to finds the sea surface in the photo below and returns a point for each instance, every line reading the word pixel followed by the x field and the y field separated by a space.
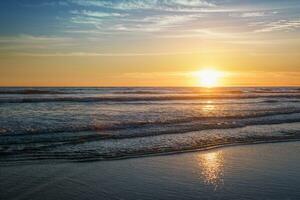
pixel 86 124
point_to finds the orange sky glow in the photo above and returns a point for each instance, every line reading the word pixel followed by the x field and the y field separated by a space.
pixel 154 43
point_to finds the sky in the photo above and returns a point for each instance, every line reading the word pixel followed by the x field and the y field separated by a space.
pixel 149 42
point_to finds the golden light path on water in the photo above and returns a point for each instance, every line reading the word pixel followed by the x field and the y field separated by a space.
pixel 211 166
pixel 208 108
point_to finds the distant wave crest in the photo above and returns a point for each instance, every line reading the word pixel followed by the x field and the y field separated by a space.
pixel 30 91
pixel 137 98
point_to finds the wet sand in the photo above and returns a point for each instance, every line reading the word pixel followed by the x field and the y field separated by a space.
pixel 261 171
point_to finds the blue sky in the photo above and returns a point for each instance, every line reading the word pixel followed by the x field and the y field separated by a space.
pixel 78 25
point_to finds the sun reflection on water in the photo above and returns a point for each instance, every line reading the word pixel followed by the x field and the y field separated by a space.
pixel 212 167
pixel 208 108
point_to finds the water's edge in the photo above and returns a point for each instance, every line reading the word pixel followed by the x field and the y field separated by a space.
pixel 137 156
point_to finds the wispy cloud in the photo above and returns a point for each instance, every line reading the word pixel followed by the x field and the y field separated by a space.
pixel 30 39
pixel 253 14
pixel 47 3
pixel 141 16
pixel 86 20
pixel 93 17
pixel 170 5
pixel 203 33
pixel 100 25
pixel 156 23
pixel 280 25
pixel 126 16
pixel 95 54
pixel 97 13
pixel 131 23
pixel 29 42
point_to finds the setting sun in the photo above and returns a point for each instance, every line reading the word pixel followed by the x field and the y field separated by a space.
pixel 209 77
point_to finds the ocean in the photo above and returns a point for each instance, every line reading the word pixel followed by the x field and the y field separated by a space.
pixel 104 123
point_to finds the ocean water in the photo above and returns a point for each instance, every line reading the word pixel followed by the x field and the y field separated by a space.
pixel 84 124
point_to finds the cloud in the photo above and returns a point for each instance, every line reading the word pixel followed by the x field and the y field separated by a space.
pixel 281 25
pixel 29 42
pixel 30 39
pixel 159 22
pixel 190 3
pixel 141 16
pixel 168 5
pixel 120 22
pixel 97 14
pixel 95 54
pixel 86 20
pixel 253 14
pixel 93 17
pixel 203 33
pixel 47 3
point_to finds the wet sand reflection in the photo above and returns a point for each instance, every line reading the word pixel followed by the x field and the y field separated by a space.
pixel 212 166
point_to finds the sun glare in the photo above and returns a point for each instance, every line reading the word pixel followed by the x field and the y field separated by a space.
pixel 209 77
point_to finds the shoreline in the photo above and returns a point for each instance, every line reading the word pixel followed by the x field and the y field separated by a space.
pixel 216 147
pixel 192 150
pixel 251 171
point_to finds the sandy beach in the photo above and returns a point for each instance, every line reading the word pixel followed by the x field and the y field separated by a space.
pixel 261 171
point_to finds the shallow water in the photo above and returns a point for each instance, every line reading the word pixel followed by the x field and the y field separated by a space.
pixel 82 124
pixel 261 171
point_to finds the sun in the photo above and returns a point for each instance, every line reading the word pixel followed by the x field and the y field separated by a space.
pixel 209 77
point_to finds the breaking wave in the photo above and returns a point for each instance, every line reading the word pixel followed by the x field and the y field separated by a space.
pixel 65 124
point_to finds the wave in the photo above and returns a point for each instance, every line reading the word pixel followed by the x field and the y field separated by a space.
pixel 277 90
pixel 133 122
pixel 139 98
pixel 145 90
pixel 180 92
pixel 138 92
pixel 30 91
pixel 53 140
pixel 161 126
pixel 155 145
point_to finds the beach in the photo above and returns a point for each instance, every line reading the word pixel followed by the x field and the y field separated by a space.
pixel 260 171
